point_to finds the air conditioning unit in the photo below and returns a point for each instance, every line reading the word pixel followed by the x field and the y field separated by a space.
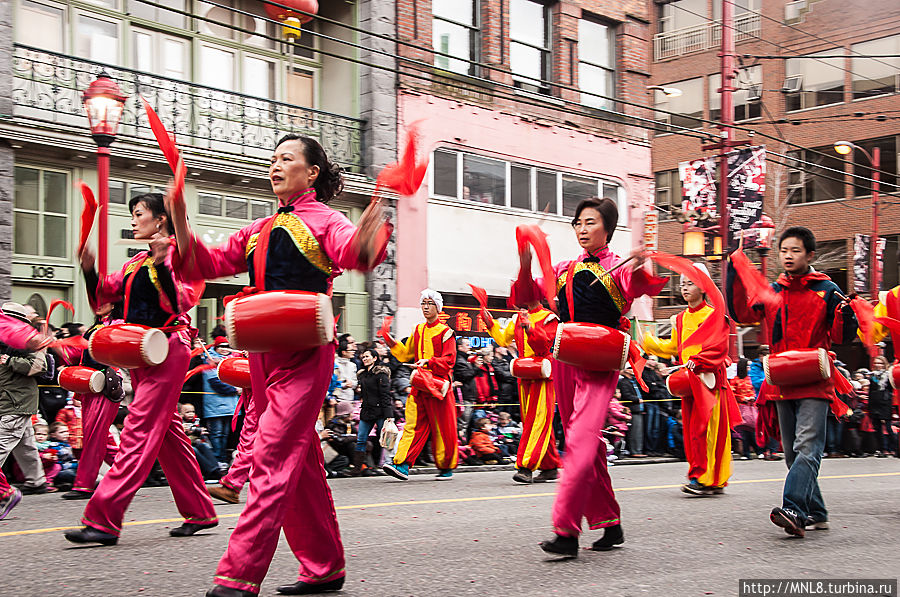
pixel 754 92
pixel 793 84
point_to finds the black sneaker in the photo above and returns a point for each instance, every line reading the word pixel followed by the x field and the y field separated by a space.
pixel 817 523
pixel 612 537
pixel 523 475
pixel 789 521
pixel 551 474
pixel 561 546
pixel 695 488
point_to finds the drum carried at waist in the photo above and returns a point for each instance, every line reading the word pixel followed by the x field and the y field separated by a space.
pixel 894 376
pixel 531 368
pixel 129 346
pixel 81 379
pixel 799 367
pixel 679 383
pixel 424 380
pixel 279 321
pixel 591 346
pixel 235 371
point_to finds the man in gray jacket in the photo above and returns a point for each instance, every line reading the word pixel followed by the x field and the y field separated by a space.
pixel 18 402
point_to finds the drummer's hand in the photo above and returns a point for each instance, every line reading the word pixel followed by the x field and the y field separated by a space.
pixel 690 365
pixel 87 259
pixel 159 247
pixel 638 257
pixel 420 363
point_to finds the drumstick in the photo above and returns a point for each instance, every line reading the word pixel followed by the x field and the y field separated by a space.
pixel 615 267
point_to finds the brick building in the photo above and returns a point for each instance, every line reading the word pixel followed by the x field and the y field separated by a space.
pixel 805 102
pixel 518 103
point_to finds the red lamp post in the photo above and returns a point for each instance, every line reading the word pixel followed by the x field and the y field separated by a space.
pixel 104 103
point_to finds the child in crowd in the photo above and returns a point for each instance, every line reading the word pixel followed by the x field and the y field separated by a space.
pixel 507 434
pixel 70 415
pixel 48 456
pixel 65 458
pixel 482 445
pixel 209 466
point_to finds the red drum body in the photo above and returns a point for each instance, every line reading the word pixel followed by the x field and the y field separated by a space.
pixel 235 371
pixel 894 376
pixel 591 346
pixel 531 368
pixel 799 367
pixel 424 380
pixel 279 321
pixel 129 346
pixel 82 380
pixel 679 383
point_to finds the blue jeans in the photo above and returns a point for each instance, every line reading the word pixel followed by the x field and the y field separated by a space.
pixel 363 431
pixel 218 428
pixel 803 425
pixel 834 435
pixel 654 426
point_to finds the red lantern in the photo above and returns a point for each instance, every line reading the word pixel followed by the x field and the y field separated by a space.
pixel 287 14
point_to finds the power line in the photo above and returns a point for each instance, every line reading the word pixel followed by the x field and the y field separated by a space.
pixel 818 56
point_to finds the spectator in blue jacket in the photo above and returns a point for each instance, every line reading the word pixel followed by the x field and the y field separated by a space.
pixel 219 402
pixel 756 372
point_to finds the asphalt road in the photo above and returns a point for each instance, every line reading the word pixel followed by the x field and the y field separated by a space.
pixel 478 535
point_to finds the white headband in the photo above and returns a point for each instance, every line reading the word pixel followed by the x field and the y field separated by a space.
pixel 434 295
pixel 700 267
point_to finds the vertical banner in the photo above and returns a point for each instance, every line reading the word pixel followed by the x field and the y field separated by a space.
pixel 879 260
pixel 861 263
pixel 746 188
pixel 651 230
pixel 698 186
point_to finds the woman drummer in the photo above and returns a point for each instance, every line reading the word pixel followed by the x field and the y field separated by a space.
pixel 308 245
pixel 598 297
pixel 154 295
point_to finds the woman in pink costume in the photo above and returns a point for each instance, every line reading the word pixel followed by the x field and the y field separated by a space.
pixel 308 245
pixel 585 491
pixel 154 295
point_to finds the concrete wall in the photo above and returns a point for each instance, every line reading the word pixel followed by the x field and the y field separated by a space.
pixel 6 152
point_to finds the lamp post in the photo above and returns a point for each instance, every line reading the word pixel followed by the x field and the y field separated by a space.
pixel 846 148
pixel 765 228
pixel 104 103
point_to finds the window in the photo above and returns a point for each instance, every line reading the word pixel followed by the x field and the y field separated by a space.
pixel 455 32
pixel 40 25
pixel 596 63
pixel 238 208
pixel 808 183
pixel 668 192
pixel 821 81
pixel 260 209
pixel 749 84
pixel 529 44
pixel 887 163
pixel 217 67
pixel 225 23
pixel 484 180
pixel 831 260
pixel 671 17
pixel 258 77
pixel 689 105
pixel 520 186
pixel 40 212
pixel 670 295
pixel 160 54
pixel 143 10
pixel 876 76
pixel 97 39
pixel 740 7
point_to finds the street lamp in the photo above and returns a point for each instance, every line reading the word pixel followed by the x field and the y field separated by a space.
pixel 765 228
pixel 104 103
pixel 846 148
pixel 666 91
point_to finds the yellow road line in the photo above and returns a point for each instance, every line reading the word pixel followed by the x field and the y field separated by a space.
pixel 453 500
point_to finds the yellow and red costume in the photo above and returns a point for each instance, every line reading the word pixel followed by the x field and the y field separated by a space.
pixel 425 414
pixel 709 413
pixel 537 397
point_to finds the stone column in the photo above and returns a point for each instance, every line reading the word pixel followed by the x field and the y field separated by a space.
pixel 6 153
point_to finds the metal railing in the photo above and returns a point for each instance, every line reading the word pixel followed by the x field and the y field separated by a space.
pixel 702 37
pixel 47 87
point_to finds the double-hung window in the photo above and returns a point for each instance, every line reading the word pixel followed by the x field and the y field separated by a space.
pixel 596 63
pixel 529 44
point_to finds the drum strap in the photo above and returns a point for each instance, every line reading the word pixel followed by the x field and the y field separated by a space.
pixel 262 242
pixel 570 290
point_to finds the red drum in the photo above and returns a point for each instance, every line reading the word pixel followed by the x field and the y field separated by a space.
pixel 235 371
pixel 424 380
pixel 679 383
pixel 82 380
pixel 894 376
pixel 129 346
pixel 591 346
pixel 531 368
pixel 279 321
pixel 798 367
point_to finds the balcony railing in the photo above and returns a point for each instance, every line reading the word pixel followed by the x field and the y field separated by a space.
pixel 47 87
pixel 699 38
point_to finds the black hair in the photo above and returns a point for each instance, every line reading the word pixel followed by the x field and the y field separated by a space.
pixel 803 233
pixel 156 205
pixel 372 352
pixel 608 210
pixel 330 181
pixel 343 344
pixel 74 329
pixel 742 368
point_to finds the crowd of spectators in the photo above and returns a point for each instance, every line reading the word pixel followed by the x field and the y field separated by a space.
pixel 362 413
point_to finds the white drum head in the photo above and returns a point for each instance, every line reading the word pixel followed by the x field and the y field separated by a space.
pixel 325 315
pixel 154 347
pixel 824 363
pixel 546 368
pixel 228 320
pixel 98 382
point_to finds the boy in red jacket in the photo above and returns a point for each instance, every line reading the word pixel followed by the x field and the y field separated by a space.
pixel 806 311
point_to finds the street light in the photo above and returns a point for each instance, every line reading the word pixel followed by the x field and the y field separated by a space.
pixel 765 228
pixel 846 148
pixel 666 91
pixel 104 104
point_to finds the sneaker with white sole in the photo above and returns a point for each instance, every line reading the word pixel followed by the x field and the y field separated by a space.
pixel 398 471
pixel 817 524
pixel 789 521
